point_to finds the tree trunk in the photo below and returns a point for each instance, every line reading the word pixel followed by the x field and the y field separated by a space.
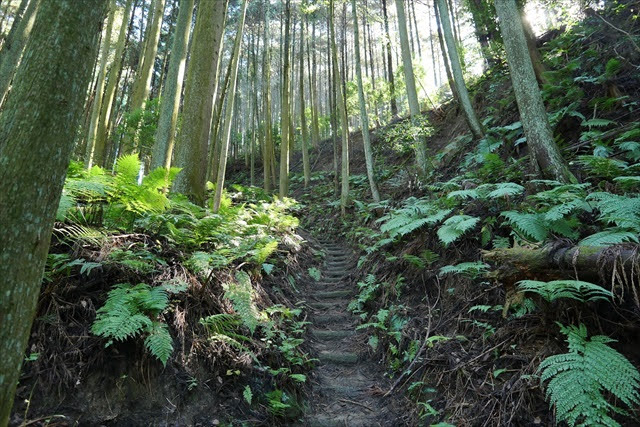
pixel 98 100
pixel 412 94
pixel 303 118
pixel 102 130
pixel 331 70
pixel 17 17
pixel 36 139
pixel 142 83
pixel 313 90
pixel 344 123
pixel 268 158
pixel 284 106
pixel 456 69
pixel 364 118
pixel 165 134
pixel 545 155
pixel 13 47
pixel 591 264
pixel 200 91
pixel 392 85
pixel 226 136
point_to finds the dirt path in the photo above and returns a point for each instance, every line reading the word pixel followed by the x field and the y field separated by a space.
pixel 348 388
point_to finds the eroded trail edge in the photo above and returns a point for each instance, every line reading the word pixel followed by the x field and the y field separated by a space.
pixel 348 385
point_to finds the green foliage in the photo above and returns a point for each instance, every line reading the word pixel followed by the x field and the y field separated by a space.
pixel 129 311
pixel 579 379
pixel 415 213
pixel 570 289
pixel 455 227
pixel 314 273
pixel 240 292
pixel 469 269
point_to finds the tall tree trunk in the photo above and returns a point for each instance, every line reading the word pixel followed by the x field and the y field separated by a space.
pixel 456 69
pixel 364 118
pixel 445 58
pixel 313 90
pixel 13 47
pixel 333 91
pixel 36 139
pixel 165 134
pixel 303 118
pixel 415 25
pixel 344 123
pixel 17 17
pixel 268 158
pixel 545 155
pixel 226 136
pixel 392 85
pixel 284 110
pixel 200 91
pixel 102 73
pixel 102 131
pixel 142 83
pixel 412 93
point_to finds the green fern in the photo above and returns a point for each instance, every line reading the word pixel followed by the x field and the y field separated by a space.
pixel 577 380
pixel 571 289
pixel 240 293
pixel 505 189
pixel 159 342
pixel 468 269
pixel 612 236
pixel 128 312
pixel 530 226
pixel 415 213
pixel 453 228
pixel 622 211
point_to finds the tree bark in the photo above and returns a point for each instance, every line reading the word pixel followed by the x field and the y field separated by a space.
pixel 284 106
pixel 364 118
pixel 303 118
pixel 344 123
pixel 98 100
pixel 268 158
pixel 456 69
pixel 392 85
pixel 36 139
pixel 200 91
pixel 14 46
pixel 545 155
pixel 410 82
pixel 165 134
pixel 226 136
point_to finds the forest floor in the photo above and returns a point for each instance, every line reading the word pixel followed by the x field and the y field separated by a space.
pixel 348 387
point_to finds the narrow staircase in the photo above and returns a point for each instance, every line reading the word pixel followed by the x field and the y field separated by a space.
pixel 349 387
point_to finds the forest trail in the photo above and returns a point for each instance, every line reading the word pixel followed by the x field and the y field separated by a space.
pixel 348 387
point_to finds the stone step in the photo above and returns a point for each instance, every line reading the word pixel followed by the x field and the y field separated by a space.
pixel 329 335
pixel 344 293
pixel 338 317
pixel 338 272
pixel 331 305
pixel 338 358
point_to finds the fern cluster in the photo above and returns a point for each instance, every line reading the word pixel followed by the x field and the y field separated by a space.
pixel 130 311
pixel 580 380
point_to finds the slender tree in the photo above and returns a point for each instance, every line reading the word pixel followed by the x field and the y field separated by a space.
pixel 36 139
pixel 344 122
pixel 456 69
pixel 268 157
pixel 200 91
pixel 98 157
pixel 303 118
pixel 392 85
pixel 99 92
pixel 285 118
pixel 14 46
pixel 364 118
pixel 226 136
pixel 410 82
pixel 545 154
pixel 165 134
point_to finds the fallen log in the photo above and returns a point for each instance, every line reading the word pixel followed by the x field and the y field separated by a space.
pixel 613 267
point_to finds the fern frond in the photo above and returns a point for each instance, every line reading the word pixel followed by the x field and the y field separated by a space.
pixel 530 226
pixel 506 189
pixel 159 342
pixel 453 228
pixel 612 236
pixel 577 380
pixel 241 295
pixel 571 289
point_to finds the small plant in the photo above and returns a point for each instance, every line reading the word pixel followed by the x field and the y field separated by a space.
pixel 578 380
pixel 130 311
pixel 455 227
pixel 571 289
